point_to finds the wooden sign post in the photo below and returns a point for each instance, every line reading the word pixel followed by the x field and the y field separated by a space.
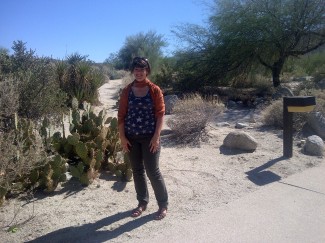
pixel 290 105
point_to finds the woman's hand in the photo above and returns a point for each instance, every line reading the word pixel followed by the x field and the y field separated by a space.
pixel 125 144
pixel 154 144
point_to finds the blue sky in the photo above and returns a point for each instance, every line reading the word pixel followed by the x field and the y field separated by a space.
pixel 95 28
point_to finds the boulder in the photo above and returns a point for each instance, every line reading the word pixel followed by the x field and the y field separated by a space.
pixel 314 146
pixel 282 92
pixel 317 122
pixel 240 140
pixel 321 84
pixel 170 101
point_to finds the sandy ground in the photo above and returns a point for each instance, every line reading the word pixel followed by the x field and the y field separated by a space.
pixel 198 178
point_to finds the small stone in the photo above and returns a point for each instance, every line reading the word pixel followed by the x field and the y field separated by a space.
pixel 241 125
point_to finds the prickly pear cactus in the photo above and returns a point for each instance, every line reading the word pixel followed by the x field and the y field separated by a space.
pixel 25 133
pixel 51 174
pixel 85 148
pixel 117 161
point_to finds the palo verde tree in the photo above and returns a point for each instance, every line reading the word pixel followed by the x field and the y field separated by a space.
pixel 242 34
pixel 147 45
pixel 268 31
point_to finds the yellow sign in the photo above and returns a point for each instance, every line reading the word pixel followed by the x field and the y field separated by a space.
pixel 301 108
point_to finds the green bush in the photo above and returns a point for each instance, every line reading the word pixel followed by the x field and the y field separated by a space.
pixel 30 80
pixel 308 64
pixel 165 76
pixel 39 93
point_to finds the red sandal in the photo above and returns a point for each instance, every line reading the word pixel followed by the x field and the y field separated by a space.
pixel 138 211
pixel 161 213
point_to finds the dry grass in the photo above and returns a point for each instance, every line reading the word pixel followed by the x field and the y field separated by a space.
pixel 191 116
pixel 320 98
pixel 273 116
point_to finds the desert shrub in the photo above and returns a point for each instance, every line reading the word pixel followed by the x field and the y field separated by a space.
pixel 320 98
pixel 164 77
pixel 39 93
pixel 113 73
pixel 191 116
pixel 9 97
pixel 30 80
pixel 272 115
pixel 9 103
pixel 308 64
pixel 18 159
pixel 262 84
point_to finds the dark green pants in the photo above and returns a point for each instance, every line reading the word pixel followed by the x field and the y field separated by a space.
pixel 145 162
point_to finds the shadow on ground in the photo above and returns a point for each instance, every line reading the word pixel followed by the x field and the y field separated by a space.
pixel 93 232
pixel 260 176
pixel 232 151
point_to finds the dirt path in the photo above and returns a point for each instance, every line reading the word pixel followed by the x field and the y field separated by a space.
pixel 108 95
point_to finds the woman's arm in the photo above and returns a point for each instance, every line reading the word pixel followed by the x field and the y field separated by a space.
pixel 124 141
pixel 155 141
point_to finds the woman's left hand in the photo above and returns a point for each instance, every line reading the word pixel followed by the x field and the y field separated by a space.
pixel 154 144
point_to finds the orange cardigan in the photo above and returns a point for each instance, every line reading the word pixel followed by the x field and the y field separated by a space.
pixel 157 97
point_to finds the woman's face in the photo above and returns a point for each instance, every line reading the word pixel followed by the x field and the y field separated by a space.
pixel 140 74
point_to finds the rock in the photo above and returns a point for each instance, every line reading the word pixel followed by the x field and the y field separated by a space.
pixel 170 101
pixel 223 124
pixel 317 122
pixel 314 146
pixel 321 84
pixel 232 103
pixel 303 78
pixel 241 125
pixel 240 140
pixel 281 92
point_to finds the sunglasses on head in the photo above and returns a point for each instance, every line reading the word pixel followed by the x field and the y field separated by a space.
pixel 140 59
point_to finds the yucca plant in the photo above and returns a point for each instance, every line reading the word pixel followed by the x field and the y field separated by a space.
pixel 79 79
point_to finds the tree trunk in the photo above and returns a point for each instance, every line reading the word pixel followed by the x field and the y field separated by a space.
pixel 276 70
pixel 276 77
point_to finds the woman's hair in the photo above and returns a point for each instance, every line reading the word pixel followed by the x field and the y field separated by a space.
pixel 140 62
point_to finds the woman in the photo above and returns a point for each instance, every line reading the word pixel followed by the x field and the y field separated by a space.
pixel 140 120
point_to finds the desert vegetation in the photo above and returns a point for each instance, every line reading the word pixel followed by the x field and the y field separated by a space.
pixel 192 115
pixel 36 95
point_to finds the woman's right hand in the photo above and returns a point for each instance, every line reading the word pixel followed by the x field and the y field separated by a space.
pixel 125 144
